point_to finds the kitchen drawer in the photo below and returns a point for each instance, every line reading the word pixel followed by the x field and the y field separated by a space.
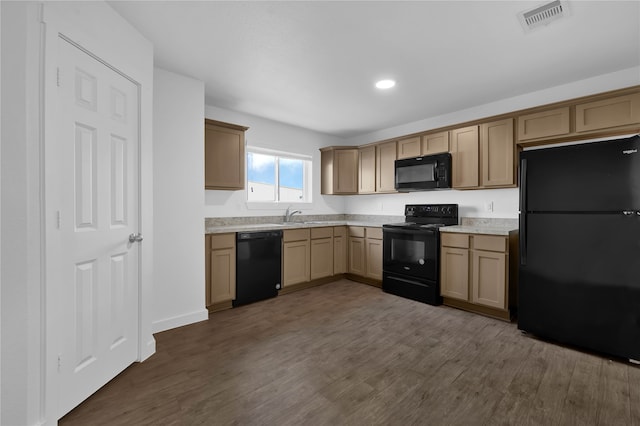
pixel 375 233
pixel 490 243
pixel 339 231
pixel 295 235
pixel 454 240
pixel 356 231
pixel 321 233
pixel 220 241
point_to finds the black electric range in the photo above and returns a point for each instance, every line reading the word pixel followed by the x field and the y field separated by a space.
pixel 411 252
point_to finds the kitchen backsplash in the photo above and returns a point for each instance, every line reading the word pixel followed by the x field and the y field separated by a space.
pixel 489 222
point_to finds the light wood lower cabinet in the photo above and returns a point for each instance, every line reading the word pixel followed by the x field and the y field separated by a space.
pixel 356 255
pixel 321 252
pixel 454 273
pixel 478 272
pixel 339 250
pixel 296 256
pixel 374 258
pixel 220 250
pixel 365 253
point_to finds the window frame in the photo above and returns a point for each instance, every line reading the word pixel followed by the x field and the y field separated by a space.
pixel 307 183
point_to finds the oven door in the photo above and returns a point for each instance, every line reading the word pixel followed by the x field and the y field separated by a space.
pixel 412 252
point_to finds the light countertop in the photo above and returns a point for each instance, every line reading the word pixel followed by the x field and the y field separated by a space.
pixel 220 229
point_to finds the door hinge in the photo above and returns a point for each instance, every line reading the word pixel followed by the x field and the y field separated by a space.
pixel 58 76
pixel 59 362
pixel 58 219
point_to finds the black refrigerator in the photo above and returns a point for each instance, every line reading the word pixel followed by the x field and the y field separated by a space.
pixel 579 269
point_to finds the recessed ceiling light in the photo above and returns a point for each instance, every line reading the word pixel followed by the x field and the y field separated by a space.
pixel 385 84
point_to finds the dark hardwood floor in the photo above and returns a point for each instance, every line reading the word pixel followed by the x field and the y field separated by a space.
pixel 347 353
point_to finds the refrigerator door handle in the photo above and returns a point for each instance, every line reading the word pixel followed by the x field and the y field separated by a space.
pixel 523 212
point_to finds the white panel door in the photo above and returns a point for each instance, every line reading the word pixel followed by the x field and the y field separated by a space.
pixel 96 205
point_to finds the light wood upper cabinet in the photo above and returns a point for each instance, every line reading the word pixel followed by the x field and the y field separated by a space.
pixel 435 143
pixel 497 149
pixel 409 147
pixel 545 124
pixel 223 155
pixel 220 252
pixel 367 170
pixel 613 112
pixel 465 153
pixel 385 167
pixel 339 170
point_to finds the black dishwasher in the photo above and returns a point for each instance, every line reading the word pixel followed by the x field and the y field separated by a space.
pixel 258 266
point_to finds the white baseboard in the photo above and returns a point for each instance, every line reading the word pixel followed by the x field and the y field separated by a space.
pixel 179 321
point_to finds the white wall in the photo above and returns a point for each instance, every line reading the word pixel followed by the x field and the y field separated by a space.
pixel 269 134
pixel 178 129
pixel 20 192
pixel 473 203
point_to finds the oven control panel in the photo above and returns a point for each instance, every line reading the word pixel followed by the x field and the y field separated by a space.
pixel 431 210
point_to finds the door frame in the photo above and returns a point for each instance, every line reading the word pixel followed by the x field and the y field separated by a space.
pixel 96 29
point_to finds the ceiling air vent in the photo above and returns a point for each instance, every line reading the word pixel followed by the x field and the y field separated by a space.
pixel 543 15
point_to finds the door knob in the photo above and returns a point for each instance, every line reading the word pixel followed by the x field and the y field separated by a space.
pixel 135 238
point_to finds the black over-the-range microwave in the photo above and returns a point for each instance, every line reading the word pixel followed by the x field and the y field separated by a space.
pixel 424 173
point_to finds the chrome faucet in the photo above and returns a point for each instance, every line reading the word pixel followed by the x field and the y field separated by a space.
pixel 289 214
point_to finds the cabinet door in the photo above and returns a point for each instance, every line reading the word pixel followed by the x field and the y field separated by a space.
pixel 357 256
pixel 409 147
pixel 321 258
pixel 385 167
pixel 465 156
pixel 207 261
pixel 497 151
pixel 544 124
pixel 489 279
pixel 367 170
pixel 223 158
pixel 454 273
pixel 340 250
pixel 345 171
pixel 374 259
pixel 435 143
pixel 613 112
pixel 296 268
pixel 223 275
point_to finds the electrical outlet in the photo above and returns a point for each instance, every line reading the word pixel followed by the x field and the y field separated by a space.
pixel 488 206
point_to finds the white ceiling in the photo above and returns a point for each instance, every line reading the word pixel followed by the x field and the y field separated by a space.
pixel 313 64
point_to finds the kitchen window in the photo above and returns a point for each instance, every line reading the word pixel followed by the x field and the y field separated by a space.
pixel 277 177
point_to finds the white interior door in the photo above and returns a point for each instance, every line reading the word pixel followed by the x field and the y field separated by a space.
pixel 93 195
